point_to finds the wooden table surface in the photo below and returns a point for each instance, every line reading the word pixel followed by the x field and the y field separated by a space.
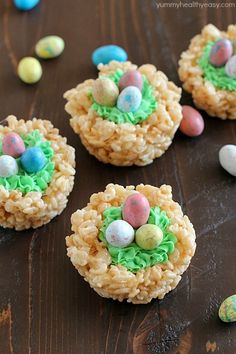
pixel 45 306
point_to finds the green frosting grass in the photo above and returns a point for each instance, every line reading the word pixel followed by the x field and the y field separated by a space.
pixel 217 76
pixel 33 182
pixel 148 105
pixel 133 257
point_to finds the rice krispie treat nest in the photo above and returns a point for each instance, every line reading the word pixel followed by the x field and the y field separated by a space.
pixel 30 199
pixel 125 139
pixel 211 88
pixel 135 272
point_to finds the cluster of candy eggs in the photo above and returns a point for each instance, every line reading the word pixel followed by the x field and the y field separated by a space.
pixel 223 53
pixel 31 159
pixel 135 213
pixel 127 96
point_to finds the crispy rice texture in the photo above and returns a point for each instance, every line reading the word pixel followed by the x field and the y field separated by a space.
pixel 216 102
pixel 126 144
pixel 35 209
pixel 90 256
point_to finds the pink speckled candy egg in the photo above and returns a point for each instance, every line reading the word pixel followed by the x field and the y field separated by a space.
pixel 136 210
pixel 192 123
pixel 131 78
pixel 221 51
pixel 13 145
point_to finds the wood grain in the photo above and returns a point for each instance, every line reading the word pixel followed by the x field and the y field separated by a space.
pixel 45 306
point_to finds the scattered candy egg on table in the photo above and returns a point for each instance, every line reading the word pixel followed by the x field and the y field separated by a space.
pixel 129 99
pixel 227 157
pixel 8 166
pixel 221 51
pixel 148 236
pixel 105 92
pixel 33 159
pixel 119 233
pixel 29 70
pixel 227 310
pixel 131 78
pixel 136 210
pixel 192 123
pixel 49 47
pixel 13 145
pixel 107 53
pixel 230 67
pixel 25 4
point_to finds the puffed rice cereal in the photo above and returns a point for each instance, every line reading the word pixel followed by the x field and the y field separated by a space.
pixel 92 260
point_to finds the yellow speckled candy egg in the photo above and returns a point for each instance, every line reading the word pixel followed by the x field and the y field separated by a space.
pixel 29 70
pixel 105 92
pixel 149 236
pixel 49 47
pixel 227 310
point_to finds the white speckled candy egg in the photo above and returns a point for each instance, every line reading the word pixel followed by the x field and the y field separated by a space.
pixel 227 157
pixel 8 166
pixel 105 92
pixel 13 145
pixel 49 47
pixel 230 67
pixel 119 233
pixel 129 99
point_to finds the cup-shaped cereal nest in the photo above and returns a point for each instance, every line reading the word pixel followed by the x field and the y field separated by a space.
pixel 215 101
pixel 126 144
pixel 24 210
pixel 91 258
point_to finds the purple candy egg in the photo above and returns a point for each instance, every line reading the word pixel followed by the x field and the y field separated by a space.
pixel 13 145
pixel 220 53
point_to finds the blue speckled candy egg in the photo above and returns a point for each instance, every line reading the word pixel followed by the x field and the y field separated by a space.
pixel 227 310
pixel 33 160
pixel 25 5
pixel 8 166
pixel 107 53
pixel 129 99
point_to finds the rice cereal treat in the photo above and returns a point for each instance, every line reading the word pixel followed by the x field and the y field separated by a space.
pixel 128 116
pixel 208 71
pixel 131 243
pixel 36 173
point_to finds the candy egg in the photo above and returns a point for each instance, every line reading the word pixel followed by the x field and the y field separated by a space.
pixel 129 99
pixel 33 160
pixel 105 92
pixel 8 166
pixel 49 47
pixel 227 310
pixel 192 123
pixel 107 53
pixel 25 4
pixel 148 236
pixel 136 210
pixel 234 46
pixel 227 157
pixel 29 70
pixel 119 233
pixel 221 52
pixel 230 67
pixel 131 78
pixel 13 145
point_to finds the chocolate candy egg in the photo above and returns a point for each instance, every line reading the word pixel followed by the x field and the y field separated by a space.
pixel 227 157
pixel 8 166
pixel 13 145
pixel 148 236
pixel 33 160
pixel 131 78
pixel 227 310
pixel 192 123
pixel 119 233
pixel 129 99
pixel 107 53
pixel 136 210
pixel 105 92
pixel 29 70
pixel 220 53
pixel 230 67
pixel 49 47
pixel 25 5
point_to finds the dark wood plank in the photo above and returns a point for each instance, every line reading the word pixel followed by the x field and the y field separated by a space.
pixel 45 306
